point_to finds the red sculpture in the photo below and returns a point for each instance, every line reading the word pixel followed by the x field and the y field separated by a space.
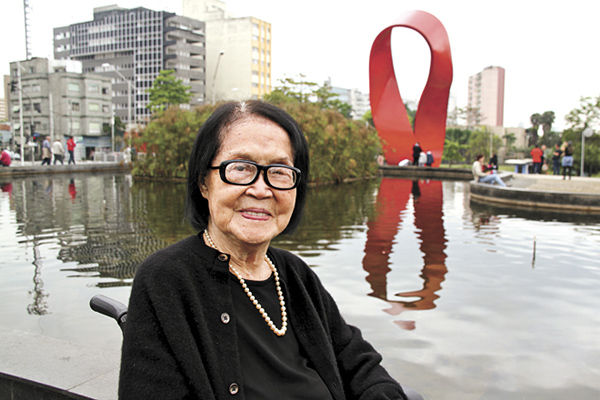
pixel 387 107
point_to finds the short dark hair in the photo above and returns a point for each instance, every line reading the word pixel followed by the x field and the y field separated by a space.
pixel 209 140
pixel 478 156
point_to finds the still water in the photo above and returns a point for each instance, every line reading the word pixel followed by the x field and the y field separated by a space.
pixel 464 301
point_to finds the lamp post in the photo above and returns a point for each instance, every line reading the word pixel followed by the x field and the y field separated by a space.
pixel 587 132
pixel 129 88
pixel 215 76
pixel 20 111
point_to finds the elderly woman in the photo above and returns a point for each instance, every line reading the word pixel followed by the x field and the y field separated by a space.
pixel 222 315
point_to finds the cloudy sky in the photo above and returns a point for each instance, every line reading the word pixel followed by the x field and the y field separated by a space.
pixel 549 51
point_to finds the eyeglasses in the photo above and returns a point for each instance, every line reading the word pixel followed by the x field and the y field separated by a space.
pixel 245 173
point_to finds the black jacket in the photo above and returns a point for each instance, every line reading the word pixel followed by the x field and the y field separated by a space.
pixel 180 340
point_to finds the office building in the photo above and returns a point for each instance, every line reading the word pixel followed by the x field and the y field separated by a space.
pixel 486 98
pixel 238 52
pixel 58 100
pixel 132 46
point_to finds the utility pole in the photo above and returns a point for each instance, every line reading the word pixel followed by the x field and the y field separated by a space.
pixel 20 112
pixel 27 15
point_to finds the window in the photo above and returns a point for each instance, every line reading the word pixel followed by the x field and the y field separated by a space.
pixel 94 107
pixel 105 108
pixel 37 107
pixel 94 127
pixel 104 90
pixel 73 87
pixel 75 106
pixel 36 87
pixel 93 88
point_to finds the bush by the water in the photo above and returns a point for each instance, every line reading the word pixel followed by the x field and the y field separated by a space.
pixel 339 148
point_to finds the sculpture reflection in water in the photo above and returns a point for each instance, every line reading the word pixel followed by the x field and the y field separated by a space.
pixel 392 199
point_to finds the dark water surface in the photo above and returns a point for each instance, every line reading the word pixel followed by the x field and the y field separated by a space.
pixel 464 301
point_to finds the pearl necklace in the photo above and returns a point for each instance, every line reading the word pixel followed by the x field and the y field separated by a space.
pixel 278 332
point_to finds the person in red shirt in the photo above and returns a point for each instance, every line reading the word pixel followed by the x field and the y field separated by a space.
pixel 5 159
pixel 536 155
pixel 71 149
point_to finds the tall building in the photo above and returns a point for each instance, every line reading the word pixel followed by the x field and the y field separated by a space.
pixel 132 46
pixel 486 98
pixel 59 100
pixel 238 52
pixel 359 101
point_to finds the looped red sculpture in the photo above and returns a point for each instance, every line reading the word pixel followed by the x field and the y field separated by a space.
pixel 387 107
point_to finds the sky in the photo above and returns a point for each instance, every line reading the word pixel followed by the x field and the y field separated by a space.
pixel 547 48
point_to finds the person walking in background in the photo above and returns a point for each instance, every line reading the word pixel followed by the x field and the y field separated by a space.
pixel 537 154
pixel 58 151
pixel 416 153
pixel 46 151
pixel 556 159
pixel 567 160
pixel 71 149
pixel 5 159
pixel 490 177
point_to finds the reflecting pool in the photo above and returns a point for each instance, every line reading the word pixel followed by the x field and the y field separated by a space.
pixel 464 300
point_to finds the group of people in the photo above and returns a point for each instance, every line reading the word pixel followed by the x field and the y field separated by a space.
pixel 56 149
pixel 420 157
pixel 538 155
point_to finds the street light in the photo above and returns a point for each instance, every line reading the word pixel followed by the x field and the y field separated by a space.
pixel 215 76
pixel 130 87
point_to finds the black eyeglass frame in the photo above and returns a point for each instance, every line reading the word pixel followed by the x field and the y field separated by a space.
pixel 223 166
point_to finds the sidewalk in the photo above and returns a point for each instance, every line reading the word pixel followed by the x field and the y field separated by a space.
pixel 40 367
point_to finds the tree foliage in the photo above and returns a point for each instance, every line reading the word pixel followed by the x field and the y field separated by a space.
pixel 340 148
pixel 167 90
pixel 587 115
pixel 168 140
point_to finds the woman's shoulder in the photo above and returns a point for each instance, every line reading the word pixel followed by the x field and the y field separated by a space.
pixel 179 255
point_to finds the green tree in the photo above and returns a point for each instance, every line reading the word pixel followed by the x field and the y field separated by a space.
pixel 168 140
pixel 453 152
pixel 587 115
pixel 546 120
pixel 532 133
pixel 167 90
pixel 479 143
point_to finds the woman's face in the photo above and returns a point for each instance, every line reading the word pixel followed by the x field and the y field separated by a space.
pixel 255 214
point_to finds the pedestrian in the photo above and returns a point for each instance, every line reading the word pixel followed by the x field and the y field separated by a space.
pixel 537 155
pixel 5 159
pixel 429 159
pixel 416 153
pixel 556 159
pixel 71 149
pixel 490 177
pixel 46 151
pixel 567 160
pixel 58 151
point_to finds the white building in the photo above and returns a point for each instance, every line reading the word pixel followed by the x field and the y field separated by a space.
pixel 238 52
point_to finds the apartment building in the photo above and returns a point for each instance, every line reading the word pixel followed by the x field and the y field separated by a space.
pixel 238 52
pixel 55 98
pixel 132 46
pixel 486 97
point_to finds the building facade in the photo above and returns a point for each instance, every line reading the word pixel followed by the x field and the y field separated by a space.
pixel 486 98
pixel 359 101
pixel 58 100
pixel 238 52
pixel 132 46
